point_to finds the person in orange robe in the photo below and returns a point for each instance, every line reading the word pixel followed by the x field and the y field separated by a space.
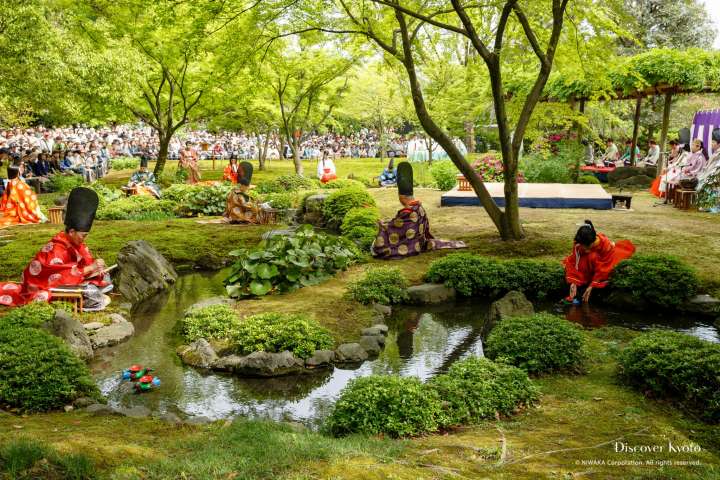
pixel 231 171
pixel 19 204
pixel 64 261
pixel 592 260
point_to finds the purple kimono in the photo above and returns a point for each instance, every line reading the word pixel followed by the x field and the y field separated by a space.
pixel 408 234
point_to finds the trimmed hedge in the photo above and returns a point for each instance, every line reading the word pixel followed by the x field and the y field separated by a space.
pixel 539 343
pixel 675 366
pixel 277 332
pixel 287 183
pixel 477 388
pixel 384 285
pixel 660 280
pixel 471 274
pixel 211 322
pixel 397 406
pixel 38 372
pixel 341 201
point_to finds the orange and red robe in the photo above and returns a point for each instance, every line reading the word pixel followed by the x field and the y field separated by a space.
pixel 593 268
pixel 230 175
pixel 58 263
pixel 20 206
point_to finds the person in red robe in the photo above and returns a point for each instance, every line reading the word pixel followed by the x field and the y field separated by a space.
pixel 18 204
pixel 231 171
pixel 64 261
pixel 592 260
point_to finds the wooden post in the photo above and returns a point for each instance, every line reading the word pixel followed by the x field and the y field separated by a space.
pixel 636 128
pixel 664 131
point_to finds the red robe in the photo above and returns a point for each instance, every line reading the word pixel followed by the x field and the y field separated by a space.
pixel 594 267
pixel 230 175
pixel 58 263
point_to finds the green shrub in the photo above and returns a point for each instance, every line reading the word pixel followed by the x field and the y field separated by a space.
pixel 106 194
pixel 661 280
pixel 136 207
pixel 26 458
pixel 38 372
pixel 125 163
pixel 675 366
pixel 363 237
pixel 589 180
pixel 340 202
pixel 32 315
pixel 342 183
pixel 445 174
pixel 64 183
pixel 181 175
pixel 393 405
pixel 384 285
pixel 553 169
pixel 539 343
pixel 360 217
pixel 212 322
pixel 287 183
pixel 282 201
pixel 477 275
pixel 285 263
pixel 205 200
pixel 277 332
pixel 476 388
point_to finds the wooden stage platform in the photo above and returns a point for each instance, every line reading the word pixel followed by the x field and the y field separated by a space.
pixel 538 195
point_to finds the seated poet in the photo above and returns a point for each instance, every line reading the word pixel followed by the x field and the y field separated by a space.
pixel 592 260
pixel 143 182
pixel 231 171
pixel 388 177
pixel 326 168
pixel 653 155
pixel 65 261
pixel 19 203
pixel 240 208
pixel 610 157
pixel 625 159
pixel 708 187
pixel 694 165
pixel 407 234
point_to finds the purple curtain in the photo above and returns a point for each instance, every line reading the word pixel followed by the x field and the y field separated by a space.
pixel 703 124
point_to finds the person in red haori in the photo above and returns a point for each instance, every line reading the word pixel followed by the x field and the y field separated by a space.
pixel 64 261
pixel 592 260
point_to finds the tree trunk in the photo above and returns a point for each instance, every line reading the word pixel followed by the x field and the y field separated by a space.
pixel 664 131
pixel 296 156
pixel 282 145
pixel 469 135
pixel 636 128
pixel 164 140
pixel 260 156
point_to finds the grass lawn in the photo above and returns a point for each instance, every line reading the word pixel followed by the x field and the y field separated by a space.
pixel 577 420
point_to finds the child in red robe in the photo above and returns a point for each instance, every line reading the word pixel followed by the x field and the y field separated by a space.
pixel 592 261
pixel 64 261
pixel 231 171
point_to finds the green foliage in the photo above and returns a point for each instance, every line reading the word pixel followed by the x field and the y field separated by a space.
pixel 31 315
pixel 676 366
pixel 285 263
pixel 192 200
pixel 661 280
pixel 136 207
pixel 125 163
pixel 212 322
pixel 38 372
pixel 287 183
pixel 360 217
pixel 341 201
pixel 445 174
pixel 589 180
pixel 277 332
pixel 25 458
pixel 476 388
pixel 476 275
pixel 552 166
pixel 384 285
pixel 64 183
pixel 181 175
pixel 393 405
pixel 342 183
pixel 363 237
pixel 283 201
pixel 539 343
pixel 106 194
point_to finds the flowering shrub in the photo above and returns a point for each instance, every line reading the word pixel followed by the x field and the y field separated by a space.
pixel 490 168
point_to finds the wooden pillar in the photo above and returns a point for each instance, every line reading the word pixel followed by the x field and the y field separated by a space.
pixel 636 128
pixel 664 131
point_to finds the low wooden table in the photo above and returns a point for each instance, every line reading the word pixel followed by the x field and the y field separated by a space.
pixel 684 198
pixel 624 199
pixel 76 299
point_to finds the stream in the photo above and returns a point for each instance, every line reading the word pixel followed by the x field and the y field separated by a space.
pixel 422 341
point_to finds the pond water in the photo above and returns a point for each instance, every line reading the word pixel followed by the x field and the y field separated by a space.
pixel 421 342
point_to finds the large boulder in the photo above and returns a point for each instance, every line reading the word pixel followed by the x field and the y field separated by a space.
pixel 63 325
pixel 267 364
pixel 311 212
pixel 198 354
pixel 702 305
pixel 372 344
pixel 351 353
pixel 142 271
pixel 514 304
pixel 430 293
pixel 623 173
pixel 320 358
pixel 117 332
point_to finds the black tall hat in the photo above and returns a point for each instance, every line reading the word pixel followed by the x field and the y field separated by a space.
pixel 684 136
pixel 82 205
pixel 405 179
pixel 143 161
pixel 13 171
pixel 716 135
pixel 247 171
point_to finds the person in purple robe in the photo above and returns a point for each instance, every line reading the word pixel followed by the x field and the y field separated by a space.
pixel 408 233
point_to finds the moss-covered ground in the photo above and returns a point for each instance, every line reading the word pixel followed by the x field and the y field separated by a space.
pixel 574 431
